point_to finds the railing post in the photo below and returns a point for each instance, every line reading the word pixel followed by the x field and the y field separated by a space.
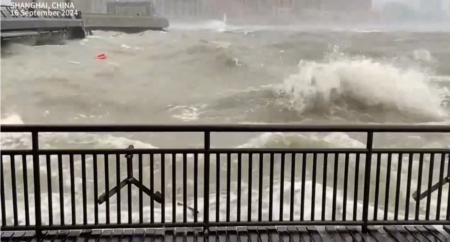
pixel 37 182
pixel 207 144
pixel 368 167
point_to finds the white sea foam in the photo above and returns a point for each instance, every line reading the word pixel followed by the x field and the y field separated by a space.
pixel 365 84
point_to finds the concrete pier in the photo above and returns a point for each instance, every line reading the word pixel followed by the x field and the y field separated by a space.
pixel 115 16
pixel 39 25
pixel 97 21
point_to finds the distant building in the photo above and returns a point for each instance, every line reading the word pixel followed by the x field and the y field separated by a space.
pixel 436 10
pixel 346 5
pixel 447 7
pixel 431 5
pixel 137 8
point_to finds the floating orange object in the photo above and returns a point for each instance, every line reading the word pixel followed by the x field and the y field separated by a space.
pixel 101 56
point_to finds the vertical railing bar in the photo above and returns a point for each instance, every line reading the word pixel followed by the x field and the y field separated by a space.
pixel 185 188
pixel 448 199
pixel 83 181
pixel 271 180
pixel 313 192
pixel 2 192
pixel 302 193
pixel 61 190
pixel 195 187
pixel 355 188
pixel 108 212
pixel 439 196
pixel 152 181
pixel 163 187
pixel 250 186
pixel 228 186
pixel 174 188
pixel 37 182
pixel 335 181
pixel 388 185
pixel 118 194
pixel 25 189
pixel 397 190
pixel 49 189
pixel 129 160
pixel 283 157
pixel 95 176
pixel 72 189
pixel 368 168
pixel 239 185
pixel 408 185
pixel 141 189
pixel 207 144
pixel 260 187
pixel 218 187
pixel 324 185
pixel 430 181
pixel 344 207
pixel 419 185
pixel 377 187
pixel 14 190
pixel 292 200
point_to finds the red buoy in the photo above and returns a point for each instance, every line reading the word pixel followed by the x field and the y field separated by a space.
pixel 101 56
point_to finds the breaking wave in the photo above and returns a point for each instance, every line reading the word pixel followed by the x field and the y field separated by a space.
pixel 355 89
pixel 346 85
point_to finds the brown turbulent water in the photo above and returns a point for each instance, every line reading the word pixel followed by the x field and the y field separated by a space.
pixel 217 73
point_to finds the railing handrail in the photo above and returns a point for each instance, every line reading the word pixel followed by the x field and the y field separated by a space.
pixel 115 151
pixel 393 128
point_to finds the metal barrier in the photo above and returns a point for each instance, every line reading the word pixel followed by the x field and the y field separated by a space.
pixel 299 186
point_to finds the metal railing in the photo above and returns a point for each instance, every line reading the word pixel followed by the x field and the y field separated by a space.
pixel 207 187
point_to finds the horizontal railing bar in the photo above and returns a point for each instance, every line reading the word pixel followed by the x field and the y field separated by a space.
pixel 211 224
pixel 180 151
pixel 222 151
pixel 225 128
pixel 409 222
pixel 224 224
pixel 409 150
pixel 331 223
pixel 103 226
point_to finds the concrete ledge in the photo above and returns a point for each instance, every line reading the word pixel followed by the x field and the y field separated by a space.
pixel 107 21
pixel 39 23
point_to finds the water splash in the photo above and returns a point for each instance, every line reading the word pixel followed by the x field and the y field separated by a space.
pixel 362 84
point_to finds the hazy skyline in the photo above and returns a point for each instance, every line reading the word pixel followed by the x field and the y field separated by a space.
pixel 415 4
